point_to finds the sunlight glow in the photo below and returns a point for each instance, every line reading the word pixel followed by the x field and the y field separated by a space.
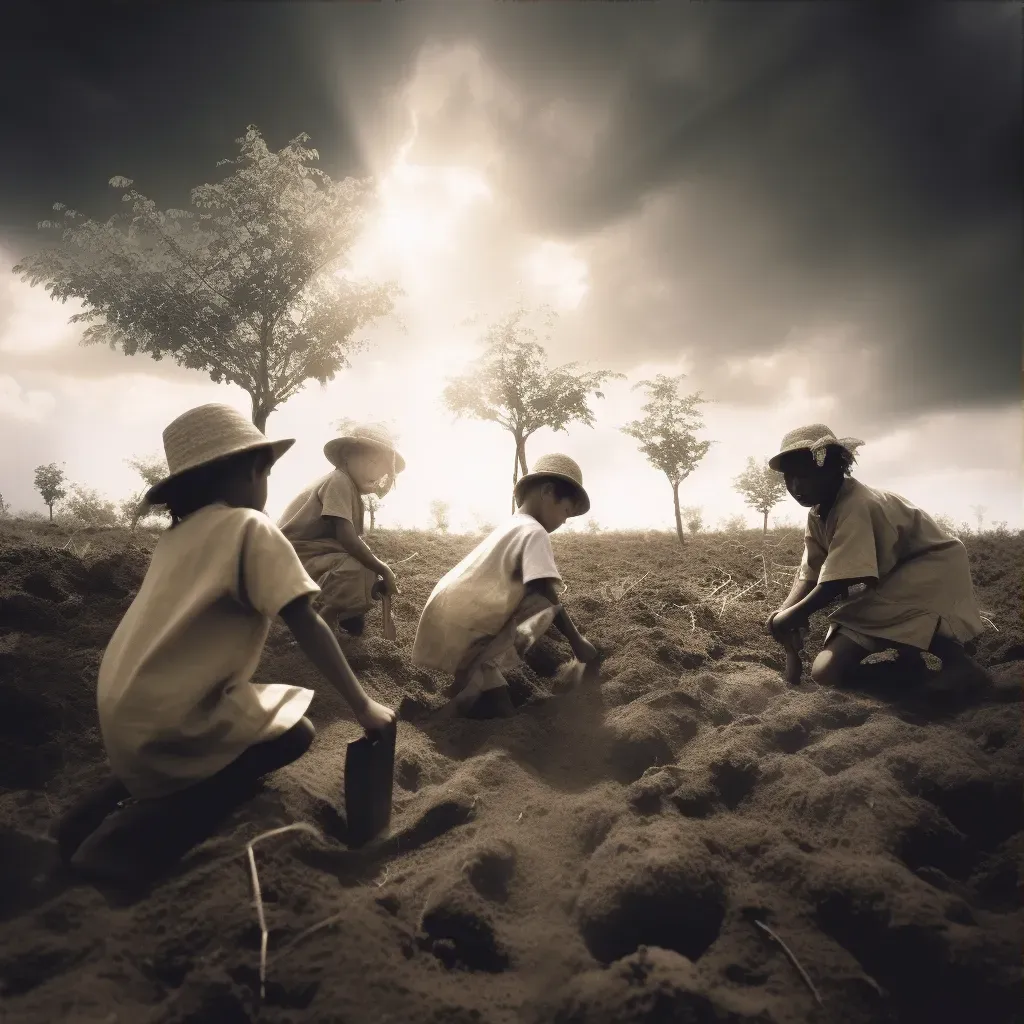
pixel 554 268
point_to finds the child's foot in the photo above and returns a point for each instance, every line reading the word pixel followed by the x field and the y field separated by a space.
pixel 493 703
pixel 354 626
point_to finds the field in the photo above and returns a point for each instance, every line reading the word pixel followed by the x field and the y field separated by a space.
pixel 682 839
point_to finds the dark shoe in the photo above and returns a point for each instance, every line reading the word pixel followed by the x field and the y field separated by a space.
pixel 493 703
pixel 353 626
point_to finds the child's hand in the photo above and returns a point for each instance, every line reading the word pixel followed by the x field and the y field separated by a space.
pixel 586 652
pixel 787 620
pixel 375 716
pixel 390 584
pixel 770 626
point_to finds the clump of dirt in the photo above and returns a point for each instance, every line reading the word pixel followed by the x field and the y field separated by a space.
pixel 611 854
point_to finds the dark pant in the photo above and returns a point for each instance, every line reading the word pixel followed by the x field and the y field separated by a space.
pixel 202 802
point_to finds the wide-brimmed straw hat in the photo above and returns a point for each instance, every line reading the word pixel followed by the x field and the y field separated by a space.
pixel 815 438
pixel 206 434
pixel 366 435
pixel 560 467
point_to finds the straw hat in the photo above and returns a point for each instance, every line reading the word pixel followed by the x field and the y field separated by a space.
pixel 206 434
pixel 814 438
pixel 561 467
pixel 374 435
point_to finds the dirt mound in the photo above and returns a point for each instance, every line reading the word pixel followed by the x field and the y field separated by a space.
pixel 617 852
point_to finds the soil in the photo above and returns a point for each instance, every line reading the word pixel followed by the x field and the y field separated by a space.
pixel 631 847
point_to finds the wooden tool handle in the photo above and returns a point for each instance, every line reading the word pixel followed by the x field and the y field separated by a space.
pixel 794 666
pixel 390 633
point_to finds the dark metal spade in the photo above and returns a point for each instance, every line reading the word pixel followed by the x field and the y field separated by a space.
pixel 369 781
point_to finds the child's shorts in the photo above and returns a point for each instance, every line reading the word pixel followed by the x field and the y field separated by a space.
pixel 872 644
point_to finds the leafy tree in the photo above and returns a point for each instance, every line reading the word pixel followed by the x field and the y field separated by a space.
pixel 510 384
pixel 5 509
pixel 979 515
pixel 439 512
pixel 693 516
pixel 371 506
pixel 593 526
pixel 152 469
pixel 252 285
pixel 762 488
pixel 666 433
pixel 734 524
pixel 50 481
pixel 947 525
pixel 87 507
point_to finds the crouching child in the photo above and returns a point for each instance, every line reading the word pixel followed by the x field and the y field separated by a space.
pixel 187 733
pixel 504 594
pixel 325 525
pixel 902 583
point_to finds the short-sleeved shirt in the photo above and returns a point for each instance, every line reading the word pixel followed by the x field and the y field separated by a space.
pixel 477 597
pixel 175 692
pixel 332 495
pixel 923 573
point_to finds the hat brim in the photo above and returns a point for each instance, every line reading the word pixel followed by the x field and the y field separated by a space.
pixel 583 499
pixel 336 448
pixel 157 494
pixel 844 443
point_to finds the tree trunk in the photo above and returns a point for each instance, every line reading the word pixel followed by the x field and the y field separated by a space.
pixel 679 515
pixel 765 532
pixel 50 507
pixel 373 518
pixel 518 464
pixel 261 410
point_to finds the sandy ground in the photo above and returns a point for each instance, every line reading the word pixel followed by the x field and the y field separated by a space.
pixel 610 855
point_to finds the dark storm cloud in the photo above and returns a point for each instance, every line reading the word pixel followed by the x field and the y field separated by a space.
pixel 852 163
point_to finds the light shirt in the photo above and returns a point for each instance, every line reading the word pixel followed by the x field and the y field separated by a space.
pixel 334 494
pixel 176 701
pixel 477 597
pixel 923 573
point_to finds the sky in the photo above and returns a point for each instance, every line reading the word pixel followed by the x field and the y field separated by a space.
pixel 813 211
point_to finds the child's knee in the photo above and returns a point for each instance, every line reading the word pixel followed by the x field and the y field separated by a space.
pixel 827 669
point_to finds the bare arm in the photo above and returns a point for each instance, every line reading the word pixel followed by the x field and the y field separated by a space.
pixel 354 545
pixel 318 643
pixel 563 623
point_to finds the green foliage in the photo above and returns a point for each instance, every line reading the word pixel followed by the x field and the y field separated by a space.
pixel 693 517
pixel 511 384
pixel 666 431
pixel 50 481
pixel 252 285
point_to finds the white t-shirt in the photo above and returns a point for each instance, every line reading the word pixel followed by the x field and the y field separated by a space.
pixel 334 494
pixel 176 703
pixel 476 598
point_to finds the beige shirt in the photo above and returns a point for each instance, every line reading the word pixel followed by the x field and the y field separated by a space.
pixel 476 598
pixel 334 494
pixel 176 701
pixel 923 574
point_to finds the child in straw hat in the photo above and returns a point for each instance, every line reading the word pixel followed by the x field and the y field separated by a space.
pixel 186 731
pixel 325 525
pixel 914 581
pixel 504 594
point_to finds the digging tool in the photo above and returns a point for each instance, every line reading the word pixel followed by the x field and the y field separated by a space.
pixel 793 644
pixel 369 783
pixel 390 633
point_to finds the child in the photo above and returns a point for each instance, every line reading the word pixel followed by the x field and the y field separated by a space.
pixel 504 594
pixel 186 732
pixel 915 581
pixel 325 525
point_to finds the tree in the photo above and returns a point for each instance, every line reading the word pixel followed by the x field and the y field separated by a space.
pixel 87 507
pixel 152 469
pixel 5 509
pixel 253 285
pixel 666 433
pixel 593 526
pixel 50 481
pixel 979 514
pixel 510 384
pixel 439 512
pixel 762 488
pixel 734 524
pixel 693 516
pixel 371 506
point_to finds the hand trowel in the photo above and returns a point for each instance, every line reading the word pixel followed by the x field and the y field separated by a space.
pixel 369 780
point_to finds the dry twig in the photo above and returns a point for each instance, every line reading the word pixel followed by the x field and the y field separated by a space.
pixel 792 959
pixel 404 560
pixel 297 826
